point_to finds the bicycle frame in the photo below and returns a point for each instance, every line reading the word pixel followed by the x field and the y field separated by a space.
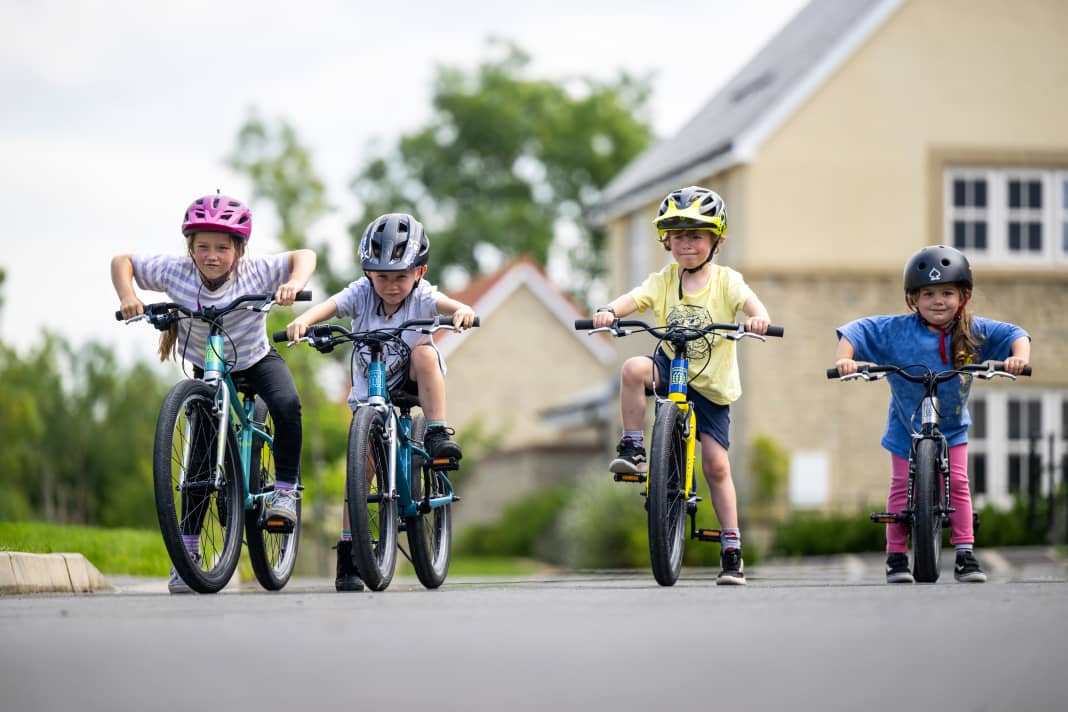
pixel 676 397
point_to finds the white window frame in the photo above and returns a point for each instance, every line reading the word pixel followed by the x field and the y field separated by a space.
pixel 1053 215
pixel 997 447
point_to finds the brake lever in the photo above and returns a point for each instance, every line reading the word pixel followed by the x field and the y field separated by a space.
pixel 865 375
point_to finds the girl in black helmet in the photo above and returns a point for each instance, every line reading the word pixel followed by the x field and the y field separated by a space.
pixel 939 333
pixel 394 252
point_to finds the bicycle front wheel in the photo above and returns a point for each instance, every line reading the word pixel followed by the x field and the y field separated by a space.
pixel 667 495
pixel 272 554
pixel 926 513
pixel 372 508
pixel 206 506
pixel 429 533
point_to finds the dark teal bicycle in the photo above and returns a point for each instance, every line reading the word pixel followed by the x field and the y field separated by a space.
pixel 213 464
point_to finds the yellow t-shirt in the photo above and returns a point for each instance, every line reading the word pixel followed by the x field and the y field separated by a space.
pixel 717 302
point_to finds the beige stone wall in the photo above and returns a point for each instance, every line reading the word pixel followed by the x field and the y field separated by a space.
pixel 520 361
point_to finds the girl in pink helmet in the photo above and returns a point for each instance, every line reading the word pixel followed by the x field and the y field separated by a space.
pixel 215 270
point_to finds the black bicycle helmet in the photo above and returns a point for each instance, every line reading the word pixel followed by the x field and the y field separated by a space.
pixel 394 242
pixel 937 264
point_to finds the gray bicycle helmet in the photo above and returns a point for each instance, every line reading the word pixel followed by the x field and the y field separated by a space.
pixel 394 242
pixel 937 264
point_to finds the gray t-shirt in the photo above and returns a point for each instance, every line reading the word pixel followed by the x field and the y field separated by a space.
pixel 359 302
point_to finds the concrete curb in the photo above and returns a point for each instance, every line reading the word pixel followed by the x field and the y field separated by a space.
pixel 49 573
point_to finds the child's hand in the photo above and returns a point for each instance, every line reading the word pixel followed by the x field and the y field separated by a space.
pixel 846 366
pixel 131 307
pixel 603 319
pixel 1015 365
pixel 463 317
pixel 286 294
pixel 296 329
pixel 757 325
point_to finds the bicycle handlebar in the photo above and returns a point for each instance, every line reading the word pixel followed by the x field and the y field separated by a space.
pixel 334 333
pixel 991 367
pixel 151 310
pixel 672 332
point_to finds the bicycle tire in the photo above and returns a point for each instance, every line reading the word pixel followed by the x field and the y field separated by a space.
pixel 429 533
pixel 926 513
pixel 186 426
pixel 667 496
pixel 273 555
pixel 372 508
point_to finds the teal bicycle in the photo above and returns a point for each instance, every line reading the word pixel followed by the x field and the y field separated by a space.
pixel 213 464
pixel 391 483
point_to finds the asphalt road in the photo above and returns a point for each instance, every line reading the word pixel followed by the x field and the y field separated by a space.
pixel 821 634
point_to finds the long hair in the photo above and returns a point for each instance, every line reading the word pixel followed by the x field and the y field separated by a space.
pixel 168 340
pixel 963 343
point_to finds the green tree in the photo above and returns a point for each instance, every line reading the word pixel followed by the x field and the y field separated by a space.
pixel 506 160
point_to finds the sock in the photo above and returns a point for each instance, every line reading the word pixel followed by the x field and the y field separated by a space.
pixel 963 547
pixel 282 486
pixel 635 436
pixel 192 542
pixel 435 424
pixel 346 535
pixel 730 538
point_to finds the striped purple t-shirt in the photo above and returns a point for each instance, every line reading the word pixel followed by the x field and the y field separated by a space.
pixel 178 278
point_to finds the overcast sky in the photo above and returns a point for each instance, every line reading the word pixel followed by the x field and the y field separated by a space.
pixel 116 114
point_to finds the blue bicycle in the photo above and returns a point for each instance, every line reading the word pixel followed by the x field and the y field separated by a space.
pixel 214 449
pixel 391 483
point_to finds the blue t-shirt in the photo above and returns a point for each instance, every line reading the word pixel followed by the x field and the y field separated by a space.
pixel 902 340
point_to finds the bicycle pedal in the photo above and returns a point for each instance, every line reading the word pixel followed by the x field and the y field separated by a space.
pixel 444 463
pixel 277 525
pixel 886 518
pixel 629 477
pixel 706 534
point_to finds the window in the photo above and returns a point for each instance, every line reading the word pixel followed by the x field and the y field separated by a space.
pixel 1010 445
pixel 1000 215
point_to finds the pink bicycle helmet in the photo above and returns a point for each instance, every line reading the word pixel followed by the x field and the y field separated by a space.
pixel 218 213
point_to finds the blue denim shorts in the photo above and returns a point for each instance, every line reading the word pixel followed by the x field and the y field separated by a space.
pixel 712 419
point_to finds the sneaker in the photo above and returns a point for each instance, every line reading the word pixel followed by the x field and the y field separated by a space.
pixel 284 505
pixel 348 578
pixel 897 568
pixel 631 458
pixel 732 574
pixel 966 569
pixel 439 445
pixel 177 584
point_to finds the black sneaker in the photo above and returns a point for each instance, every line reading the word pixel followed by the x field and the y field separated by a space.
pixel 731 575
pixel 966 569
pixel 631 458
pixel 897 569
pixel 439 445
pixel 347 576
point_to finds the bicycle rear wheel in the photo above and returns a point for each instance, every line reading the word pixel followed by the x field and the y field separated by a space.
pixel 429 533
pixel 667 496
pixel 926 513
pixel 272 554
pixel 372 508
pixel 184 459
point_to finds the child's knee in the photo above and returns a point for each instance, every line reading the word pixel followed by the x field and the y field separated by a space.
pixel 637 369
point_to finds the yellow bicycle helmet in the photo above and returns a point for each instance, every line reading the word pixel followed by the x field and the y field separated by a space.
pixel 692 208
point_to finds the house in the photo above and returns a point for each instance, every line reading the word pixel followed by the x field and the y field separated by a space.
pixel 524 359
pixel 863 131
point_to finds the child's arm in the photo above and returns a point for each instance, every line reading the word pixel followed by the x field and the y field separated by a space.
pixel 301 268
pixel 616 309
pixel 843 358
pixel 320 312
pixel 1020 355
pixel 122 274
pixel 758 320
pixel 462 315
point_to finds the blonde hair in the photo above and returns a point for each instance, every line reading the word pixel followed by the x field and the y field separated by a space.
pixel 168 340
pixel 963 343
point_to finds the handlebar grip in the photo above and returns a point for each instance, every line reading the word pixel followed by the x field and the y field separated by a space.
pixel 1026 371
pixel 832 373
pixel 583 324
pixel 118 316
pixel 279 336
pixel 774 331
pixel 475 322
pixel 304 296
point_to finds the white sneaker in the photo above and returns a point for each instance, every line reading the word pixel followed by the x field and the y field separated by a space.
pixel 284 505
pixel 177 584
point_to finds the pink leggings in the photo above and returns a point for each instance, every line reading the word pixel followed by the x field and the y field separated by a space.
pixel 960 497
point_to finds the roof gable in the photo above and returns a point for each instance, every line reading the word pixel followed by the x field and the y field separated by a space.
pixel 753 104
